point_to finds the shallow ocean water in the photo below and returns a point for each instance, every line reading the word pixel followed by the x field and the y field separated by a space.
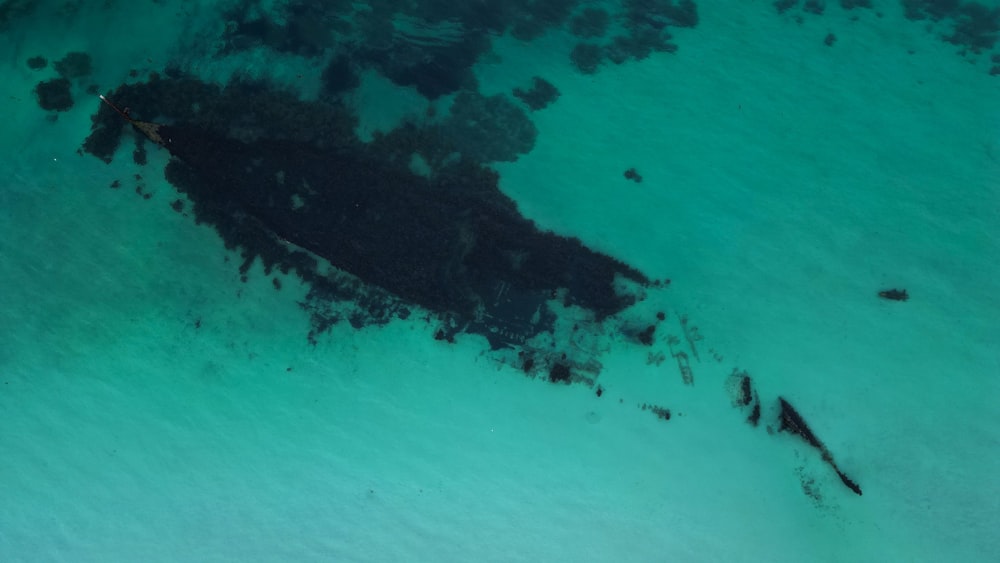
pixel 156 406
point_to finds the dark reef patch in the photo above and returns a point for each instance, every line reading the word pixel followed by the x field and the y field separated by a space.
pixel 74 65
pixel 287 182
pixel 54 95
pixel 488 128
pixel 539 96
pixel 590 23
pixel 587 57
pixel 37 63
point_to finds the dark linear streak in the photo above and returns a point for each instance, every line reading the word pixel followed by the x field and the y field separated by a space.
pixel 791 421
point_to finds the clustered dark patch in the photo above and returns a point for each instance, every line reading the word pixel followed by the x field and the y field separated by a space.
pixel 76 64
pixel 541 94
pixel 54 95
pixel 139 154
pixel 645 336
pixel 633 174
pixel 814 7
pixel 590 23
pixel 11 10
pixel 528 363
pixel 488 128
pixel 661 413
pixel 443 243
pixel 743 395
pixel 587 57
pixel 559 373
pixel 974 25
pixel 829 40
pixel 533 17
pixel 783 6
pixel 339 76
pixel 37 63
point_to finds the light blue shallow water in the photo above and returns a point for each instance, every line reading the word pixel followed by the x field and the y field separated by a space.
pixel 779 163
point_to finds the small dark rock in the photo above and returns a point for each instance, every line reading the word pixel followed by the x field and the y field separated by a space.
pixel 632 174
pixel 559 373
pixel 894 294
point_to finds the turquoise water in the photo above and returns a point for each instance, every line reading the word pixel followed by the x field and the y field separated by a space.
pixel 165 398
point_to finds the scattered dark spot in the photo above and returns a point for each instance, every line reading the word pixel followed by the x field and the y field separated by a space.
pixel 661 315
pixel 197 323
pixel 177 205
pixel 529 363
pixel 829 40
pixel 288 369
pixel 147 195
pixel 600 390
pixel 632 174
pixel 660 412
pixel 115 185
pixel 276 283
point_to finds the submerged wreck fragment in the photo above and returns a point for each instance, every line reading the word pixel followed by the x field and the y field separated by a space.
pixel 450 242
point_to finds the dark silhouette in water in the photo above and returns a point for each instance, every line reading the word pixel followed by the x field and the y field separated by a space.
pixel 452 243
pixel 894 294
